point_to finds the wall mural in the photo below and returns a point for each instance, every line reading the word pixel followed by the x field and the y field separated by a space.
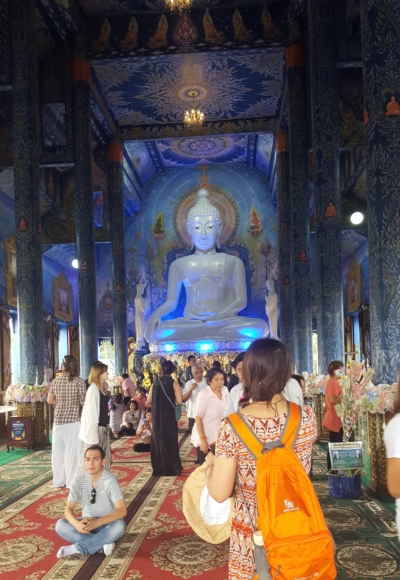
pixel 159 89
pixel 360 293
pixel 202 150
pixel 141 159
pixel 351 107
pixel 264 152
pixel 114 34
pixel 61 283
pixel 158 235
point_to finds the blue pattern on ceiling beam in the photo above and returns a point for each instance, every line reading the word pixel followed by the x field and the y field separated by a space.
pixel 195 31
pixel 152 149
pixel 263 152
pixel 252 141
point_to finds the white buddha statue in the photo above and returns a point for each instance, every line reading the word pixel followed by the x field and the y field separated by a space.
pixel 215 286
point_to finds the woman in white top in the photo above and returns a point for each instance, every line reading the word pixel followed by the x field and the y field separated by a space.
pixel 191 391
pixel 130 419
pixel 210 410
pixel 391 437
pixel 94 421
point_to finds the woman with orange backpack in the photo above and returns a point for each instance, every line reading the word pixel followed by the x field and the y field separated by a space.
pixel 271 507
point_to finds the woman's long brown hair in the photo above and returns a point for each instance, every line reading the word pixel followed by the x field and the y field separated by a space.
pixel 98 368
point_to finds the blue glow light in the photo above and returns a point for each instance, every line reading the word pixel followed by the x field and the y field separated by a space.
pixel 250 332
pixel 166 333
pixel 169 347
pixel 206 346
pixel 246 344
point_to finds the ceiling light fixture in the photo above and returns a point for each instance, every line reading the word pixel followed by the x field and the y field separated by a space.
pixel 178 5
pixel 193 118
pixel 75 264
pixel 356 218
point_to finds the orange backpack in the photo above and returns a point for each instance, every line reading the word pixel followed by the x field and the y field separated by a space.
pixel 297 542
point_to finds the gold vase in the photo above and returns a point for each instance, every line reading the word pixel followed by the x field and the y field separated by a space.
pixel 24 409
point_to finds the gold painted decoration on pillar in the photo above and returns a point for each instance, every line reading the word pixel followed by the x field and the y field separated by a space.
pixel 353 287
pixel 11 271
pixel 63 298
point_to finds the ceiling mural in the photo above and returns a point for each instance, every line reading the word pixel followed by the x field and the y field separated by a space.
pixel 141 160
pixel 351 241
pixel 202 150
pixel 264 152
pixel 158 90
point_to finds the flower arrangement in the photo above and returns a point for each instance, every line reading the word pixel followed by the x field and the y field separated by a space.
pixel 22 393
pixel 354 384
pixel 378 398
pixel 314 384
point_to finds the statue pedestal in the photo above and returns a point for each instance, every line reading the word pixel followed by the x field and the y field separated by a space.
pixel 199 346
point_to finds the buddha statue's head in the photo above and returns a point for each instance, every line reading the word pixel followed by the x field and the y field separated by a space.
pixel 204 222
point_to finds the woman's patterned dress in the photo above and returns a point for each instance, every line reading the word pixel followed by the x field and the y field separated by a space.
pixel 241 561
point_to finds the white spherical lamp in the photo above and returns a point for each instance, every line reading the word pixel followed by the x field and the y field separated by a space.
pixel 356 218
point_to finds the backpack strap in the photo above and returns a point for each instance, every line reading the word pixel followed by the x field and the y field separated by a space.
pixel 292 426
pixel 253 444
pixel 246 435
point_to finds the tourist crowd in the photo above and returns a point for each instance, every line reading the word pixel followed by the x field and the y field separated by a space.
pixel 265 393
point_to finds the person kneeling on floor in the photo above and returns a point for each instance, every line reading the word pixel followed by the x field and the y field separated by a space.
pixel 103 509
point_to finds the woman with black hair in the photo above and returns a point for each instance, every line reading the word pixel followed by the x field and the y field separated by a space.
pixel 164 395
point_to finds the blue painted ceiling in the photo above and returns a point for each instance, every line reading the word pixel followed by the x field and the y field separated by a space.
pixel 158 90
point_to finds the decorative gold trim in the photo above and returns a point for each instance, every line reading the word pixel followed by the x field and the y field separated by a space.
pixel 353 287
pixel 11 275
pixel 63 298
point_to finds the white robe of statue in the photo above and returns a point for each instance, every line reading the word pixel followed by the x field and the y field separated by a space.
pixel 271 308
pixel 215 284
pixel 140 306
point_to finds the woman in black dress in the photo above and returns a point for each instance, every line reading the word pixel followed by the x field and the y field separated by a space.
pixel 164 443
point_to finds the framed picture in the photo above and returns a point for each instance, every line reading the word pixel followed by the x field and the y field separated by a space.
pixel 354 287
pixel 63 298
pixel 11 272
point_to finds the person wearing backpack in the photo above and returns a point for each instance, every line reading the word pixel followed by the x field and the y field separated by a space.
pixel 269 496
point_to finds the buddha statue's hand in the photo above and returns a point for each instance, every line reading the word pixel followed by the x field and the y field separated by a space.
pixel 151 326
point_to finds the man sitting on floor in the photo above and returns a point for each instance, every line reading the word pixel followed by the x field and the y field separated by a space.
pixel 103 509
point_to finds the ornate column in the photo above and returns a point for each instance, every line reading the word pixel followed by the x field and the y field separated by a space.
pixel 325 137
pixel 300 219
pixel 117 235
pixel 26 187
pixel 284 240
pixel 380 26
pixel 84 214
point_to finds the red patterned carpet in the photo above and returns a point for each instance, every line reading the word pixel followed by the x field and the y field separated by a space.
pixel 158 542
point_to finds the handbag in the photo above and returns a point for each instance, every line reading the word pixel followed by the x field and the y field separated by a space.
pixel 178 410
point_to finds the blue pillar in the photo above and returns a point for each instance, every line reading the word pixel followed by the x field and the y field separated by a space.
pixel 26 187
pixel 325 139
pixel 300 219
pixel 117 236
pixel 284 240
pixel 380 29
pixel 84 214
